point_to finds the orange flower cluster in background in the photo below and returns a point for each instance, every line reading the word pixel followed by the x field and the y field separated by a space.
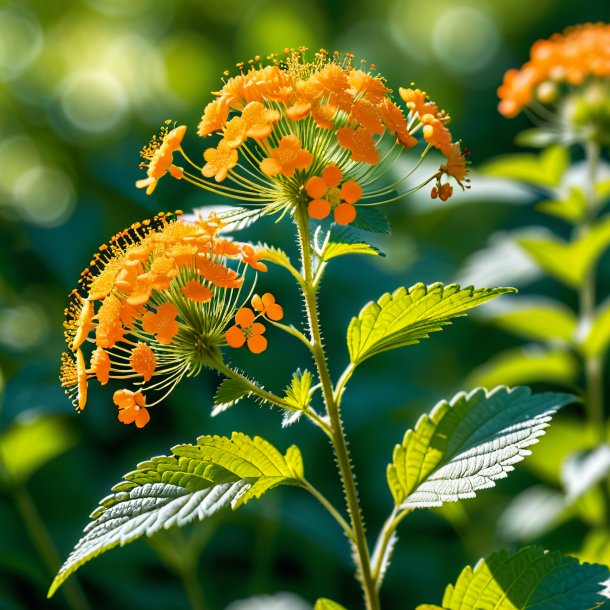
pixel 276 126
pixel 154 304
pixel 572 57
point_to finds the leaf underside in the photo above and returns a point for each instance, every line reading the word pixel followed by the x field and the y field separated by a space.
pixel 408 315
pixel 467 444
pixel 195 482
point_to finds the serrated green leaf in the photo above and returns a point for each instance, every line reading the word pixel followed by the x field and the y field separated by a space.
pixel 371 219
pixel 32 442
pixel 467 444
pixel 529 578
pixel 327 604
pixel 335 249
pixel 527 364
pixel 298 393
pixel 598 338
pixel 193 483
pixel 275 255
pixel 545 169
pixel 408 315
pixel 229 393
pixel 570 262
pixel 570 208
pixel 596 547
pixel 543 320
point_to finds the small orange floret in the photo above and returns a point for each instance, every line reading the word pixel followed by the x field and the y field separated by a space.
pixel 220 161
pixel 84 325
pixel 246 330
pixel 132 407
pixel 251 257
pixel 143 361
pixel 416 101
pixel 288 156
pixel 161 323
pixel 267 306
pixel 218 274
pixel 437 134
pixel 259 120
pixel 214 117
pixel 100 365
pixel 109 329
pixel 197 292
pixel 456 164
pixel 234 133
pixel 81 371
pixel 360 143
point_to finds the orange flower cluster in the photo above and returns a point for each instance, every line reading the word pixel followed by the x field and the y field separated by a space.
pixel 155 304
pixel 571 57
pixel 246 330
pixel 326 196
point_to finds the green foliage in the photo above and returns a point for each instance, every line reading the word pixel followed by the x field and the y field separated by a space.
pixel 597 340
pixel 570 262
pixel 371 219
pixel 31 443
pixel 526 365
pixel 298 396
pixel 540 320
pixel 571 208
pixel 229 393
pixel 543 170
pixel 467 444
pixel 408 315
pixel 334 249
pixel 327 604
pixel 529 578
pixel 195 482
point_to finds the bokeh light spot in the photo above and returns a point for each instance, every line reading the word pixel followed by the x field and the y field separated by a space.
pixel 20 41
pixel 22 327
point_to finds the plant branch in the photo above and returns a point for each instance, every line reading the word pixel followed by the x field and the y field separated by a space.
pixel 330 508
pixel 338 436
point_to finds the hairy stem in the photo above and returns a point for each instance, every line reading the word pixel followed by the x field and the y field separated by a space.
pixel 389 527
pixel 594 364
pixel 332 406
pixel 331 509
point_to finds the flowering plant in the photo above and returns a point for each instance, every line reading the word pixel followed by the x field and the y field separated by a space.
pixel 313 143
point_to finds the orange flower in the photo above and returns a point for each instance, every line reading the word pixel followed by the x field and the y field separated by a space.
pixel 445 191
pixel 437 134
pixel 267 306
pixel 247 330
pixel 100 365
pixel 219 161
pixel 395 121
pixel 109 329
pixel 325 196
pixel 132 407
pixel 456 164
pixel 360 143
pixel 416 101
pixel 259 120
pixel 218 274
pixel 197 292
pixel 160 158
pixel 287 157
pixel 143 361
pixel 367 115
pixel 214 117
pixel 371 87
pixel 84 324
pixel 162 323
pixel 251 257
pixel 234 133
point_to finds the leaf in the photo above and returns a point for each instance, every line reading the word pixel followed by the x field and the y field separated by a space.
pixel 571 208
pixel 327 604
pixel 570 262
pixel 298 393
pixel 543 170
pixel 229 393
pixel 31 442
pixel 192 484
pixel 582 470
pixel 598 338
pixel 279 601
pixel 539 137
pixel 410 314
pixel 371 219
pixel 596 547
pixel 339 242
pixel 466 445
pixel 529 578
pixel 275 255
pixel 543 320
pixel 527 364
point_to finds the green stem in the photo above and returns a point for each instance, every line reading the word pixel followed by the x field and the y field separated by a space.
pixel 594 364
pixel 44 545
pixel 383 541
pixel 278 401
pixel 330 508
pixel 337 433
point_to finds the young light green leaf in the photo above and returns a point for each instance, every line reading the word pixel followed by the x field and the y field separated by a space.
pixel 527 364
pixel 571 208
pixel 229 393
pixel 539 137
pixel 543 320
pixel 327 604
pixel 598 339
pixel 31 442
pixel 467 444
pixel 570 262
pixel 582 470
pixel 544 170
pixel 529 578
pixel 408 315
pixel 298 393
pixel 335 249
pixel 192 484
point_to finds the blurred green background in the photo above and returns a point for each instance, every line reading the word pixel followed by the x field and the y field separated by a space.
pixel 83 85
